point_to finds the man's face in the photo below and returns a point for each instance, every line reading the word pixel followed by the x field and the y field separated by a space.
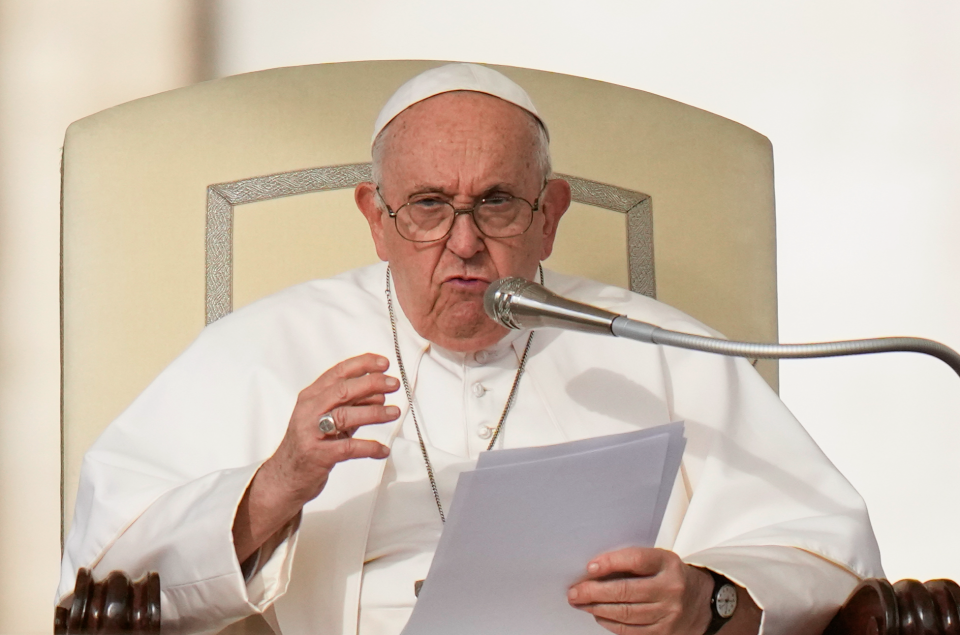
pixel 460 147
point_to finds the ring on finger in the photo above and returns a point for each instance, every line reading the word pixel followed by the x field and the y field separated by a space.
pixel 327 424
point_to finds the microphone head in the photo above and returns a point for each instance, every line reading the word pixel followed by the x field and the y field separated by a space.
pixel 496 300
pixel 517 303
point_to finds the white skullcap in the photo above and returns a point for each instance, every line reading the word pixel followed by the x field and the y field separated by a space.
pixel 449 78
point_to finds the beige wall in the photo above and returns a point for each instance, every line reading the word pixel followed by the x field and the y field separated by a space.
pixel 59 60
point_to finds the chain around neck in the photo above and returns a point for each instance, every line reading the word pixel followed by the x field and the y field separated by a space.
pixel 409 393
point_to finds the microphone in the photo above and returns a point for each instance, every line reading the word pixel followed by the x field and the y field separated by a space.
pixel 517 303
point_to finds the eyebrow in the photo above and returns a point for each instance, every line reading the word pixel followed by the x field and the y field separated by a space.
pixel 434 189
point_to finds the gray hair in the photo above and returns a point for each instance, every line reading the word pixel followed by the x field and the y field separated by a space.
pixel 540 139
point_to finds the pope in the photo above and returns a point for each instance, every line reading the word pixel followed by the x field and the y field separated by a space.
pixel 345 410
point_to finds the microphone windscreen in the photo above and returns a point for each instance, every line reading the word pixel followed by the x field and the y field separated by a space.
pixel 518 303
pixel 496 300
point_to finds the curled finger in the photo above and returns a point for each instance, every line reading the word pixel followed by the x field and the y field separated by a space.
pixel 376 399
pixel 633 614
pixel 639 561
pixel 349 448
pixel 614 591
pixel 356 367
pixel 347 369
pixel 349 418
pixel 357 389
pixel 625 629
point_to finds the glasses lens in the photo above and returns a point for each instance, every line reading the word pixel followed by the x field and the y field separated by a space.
pixel 503 216
pixel 430 219
pixel 425 220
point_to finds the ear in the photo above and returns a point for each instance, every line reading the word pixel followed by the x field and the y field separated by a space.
pixel 365 194
pixel 553 203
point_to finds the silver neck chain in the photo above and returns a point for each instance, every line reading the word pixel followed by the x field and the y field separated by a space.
pixel 406 386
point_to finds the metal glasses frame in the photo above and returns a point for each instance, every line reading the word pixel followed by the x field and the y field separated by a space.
pixel 534 207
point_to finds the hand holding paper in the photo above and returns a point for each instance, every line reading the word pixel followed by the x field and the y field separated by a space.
pixel 525 523
pixel 645 587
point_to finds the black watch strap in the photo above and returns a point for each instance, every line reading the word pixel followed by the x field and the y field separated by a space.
pixel 723 591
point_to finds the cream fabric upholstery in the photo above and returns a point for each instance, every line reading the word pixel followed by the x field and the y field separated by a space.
pixel 135 195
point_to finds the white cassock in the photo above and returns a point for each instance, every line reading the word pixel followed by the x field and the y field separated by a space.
pixel 756 499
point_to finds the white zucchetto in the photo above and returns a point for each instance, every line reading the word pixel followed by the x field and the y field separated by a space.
pixel 449 78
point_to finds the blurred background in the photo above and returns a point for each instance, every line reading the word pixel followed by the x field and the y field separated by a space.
pixel 859 97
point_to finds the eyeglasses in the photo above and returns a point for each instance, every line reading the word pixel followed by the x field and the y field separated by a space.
pixel 426 219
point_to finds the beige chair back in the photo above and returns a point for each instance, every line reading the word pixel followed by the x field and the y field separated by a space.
pixel 180 207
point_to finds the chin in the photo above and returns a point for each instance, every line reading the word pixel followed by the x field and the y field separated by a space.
pixel 468 329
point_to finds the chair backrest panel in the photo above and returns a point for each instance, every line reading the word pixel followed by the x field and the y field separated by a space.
pixel 269 256
pixel 137 181
pixel 279 242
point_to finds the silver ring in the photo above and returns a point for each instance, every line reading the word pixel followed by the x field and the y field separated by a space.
pixel 327 424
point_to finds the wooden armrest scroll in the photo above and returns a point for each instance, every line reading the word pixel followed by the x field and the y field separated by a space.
pixel 877 607
pixel 113 605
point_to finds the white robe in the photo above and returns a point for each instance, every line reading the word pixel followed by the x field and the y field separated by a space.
pixel 756 499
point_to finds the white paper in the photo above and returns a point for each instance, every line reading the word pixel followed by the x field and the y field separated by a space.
pixel 523 526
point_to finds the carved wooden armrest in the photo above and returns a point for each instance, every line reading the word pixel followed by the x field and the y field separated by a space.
pixel 113 605
pixel 908 607
pixel 876 607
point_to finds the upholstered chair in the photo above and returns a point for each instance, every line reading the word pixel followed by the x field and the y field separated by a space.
pixel 181 207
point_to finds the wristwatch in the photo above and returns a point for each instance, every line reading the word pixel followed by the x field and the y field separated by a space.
pixel 723 602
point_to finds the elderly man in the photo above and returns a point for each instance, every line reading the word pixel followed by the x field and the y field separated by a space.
pixel 244 474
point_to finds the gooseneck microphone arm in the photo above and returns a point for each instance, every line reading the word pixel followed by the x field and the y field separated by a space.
pixel 518 303
pixel 641 331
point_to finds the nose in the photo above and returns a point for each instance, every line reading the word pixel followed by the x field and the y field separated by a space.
pixel 465 239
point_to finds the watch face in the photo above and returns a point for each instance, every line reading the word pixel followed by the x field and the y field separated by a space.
pixel 726 601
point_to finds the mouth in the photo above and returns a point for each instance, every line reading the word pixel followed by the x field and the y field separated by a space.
pixel 467 282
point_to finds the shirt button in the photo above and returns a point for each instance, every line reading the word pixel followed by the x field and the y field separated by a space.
pixel 478 390
pixel 481 357
pixel 484 432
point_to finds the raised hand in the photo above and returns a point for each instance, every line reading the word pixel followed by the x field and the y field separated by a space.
pixel 352 392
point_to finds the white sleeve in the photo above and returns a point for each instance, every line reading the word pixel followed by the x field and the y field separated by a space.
pixel 160 488
pixel 186 536
pixel 798 591
pixel 757 500
pixel 766 507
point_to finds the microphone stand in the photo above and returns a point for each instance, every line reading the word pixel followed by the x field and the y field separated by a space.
pixel 623 326
pixel 519 303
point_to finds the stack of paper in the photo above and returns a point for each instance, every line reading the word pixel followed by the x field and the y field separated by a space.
pixel 524 524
